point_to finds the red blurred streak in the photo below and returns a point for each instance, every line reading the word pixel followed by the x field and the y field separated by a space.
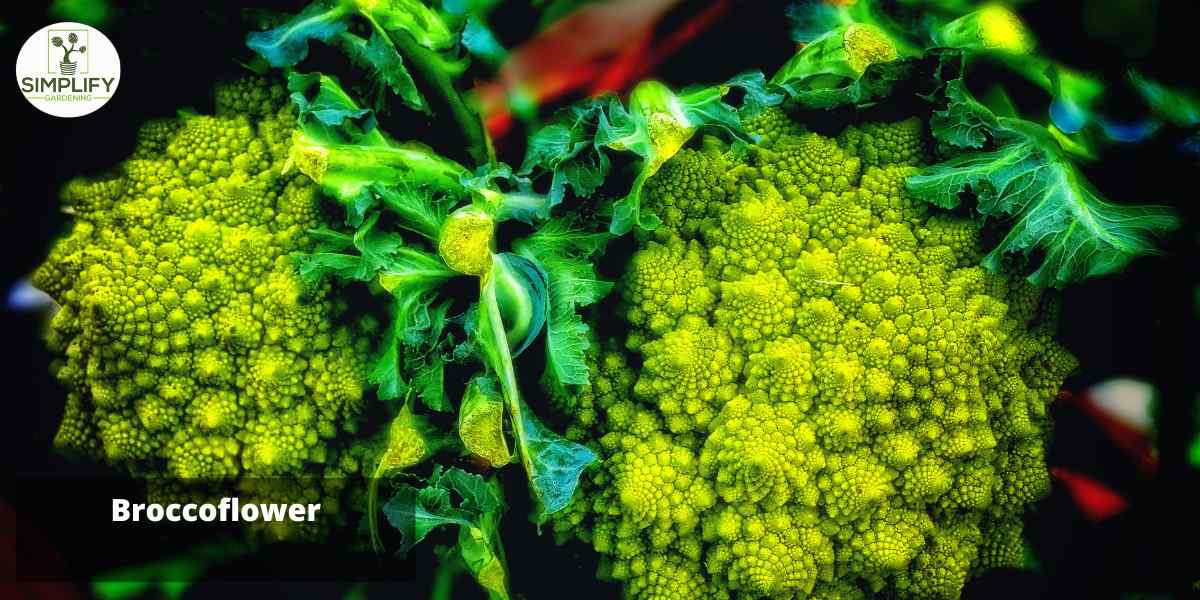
pixel 1093 498
pixel 603 46
pixel 621 70
pixel 592 32
pixel 498 125
pixel 1129 439
pixel 493 96
pixel 693 27
pixel 570 52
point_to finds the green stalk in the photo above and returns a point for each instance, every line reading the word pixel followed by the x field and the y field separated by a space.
pixel 373 509
pixel 431 68
pixel 504 364
pixel 443 582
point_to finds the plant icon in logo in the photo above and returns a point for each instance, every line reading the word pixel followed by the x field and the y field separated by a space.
pixel 66 66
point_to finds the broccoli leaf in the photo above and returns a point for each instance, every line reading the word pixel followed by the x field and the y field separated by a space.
pixel 385 372
pixel 840 54
pixel 326 112
pixel 412 277
pixel 316 266
pixel 453 497
pixel 476 35
pixel 1074 97
pixel 415 347
pixel 398 30
pixel 479 496
pixel 349 171
pixel 412 272
pixel 380 57
pixel 414 336
pixel 287 45
pixel 552 463
pixel 419 210
pixel 964 123
pixel 706 108
pixel 1056 214
pixel 429 381
pixel 415 512
pixel 1176 107
pixel 757 94
pixel 378 248
pixel 877 82
pixel 413 17
pixel 810 19
pixel 564 254
pixel 376 251
pixel 340 149
pixel 657 123
pixel 566 149
pixel 515 199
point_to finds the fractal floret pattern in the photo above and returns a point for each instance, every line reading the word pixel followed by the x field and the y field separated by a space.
pixel 820 396
pixel 187 342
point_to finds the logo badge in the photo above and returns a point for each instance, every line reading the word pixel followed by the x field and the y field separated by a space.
pixel 68 70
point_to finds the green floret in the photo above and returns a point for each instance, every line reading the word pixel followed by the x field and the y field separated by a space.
pixel 689 372
pixel 836 218
pixel 821 396
pixel 808 162
pixel 771 462
pixel 881 144
pixel 760 230
pixel 254 98
pixel 187 342
pixel 664 283
pixel 756 308
pixel 772 124
pixel 789 555
pixel 686 191
pixel 1003 545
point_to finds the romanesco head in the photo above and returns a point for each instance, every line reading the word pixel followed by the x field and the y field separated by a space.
pixel 187 342
pixel 820 395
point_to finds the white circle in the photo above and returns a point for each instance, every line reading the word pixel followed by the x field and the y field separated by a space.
pixel 71 77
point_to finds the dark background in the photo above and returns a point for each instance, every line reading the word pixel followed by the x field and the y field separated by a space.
pixel 1139 324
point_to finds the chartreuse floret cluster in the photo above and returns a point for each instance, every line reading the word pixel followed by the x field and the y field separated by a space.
pixel 821 395
pixel 188 344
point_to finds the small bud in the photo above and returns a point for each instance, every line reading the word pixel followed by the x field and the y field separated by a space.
pixel 465 242
pixel 866 45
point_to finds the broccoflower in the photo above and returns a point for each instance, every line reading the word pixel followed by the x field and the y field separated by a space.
pixel 821 395
pixel 187 342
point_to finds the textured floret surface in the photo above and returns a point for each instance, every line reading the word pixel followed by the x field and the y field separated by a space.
pixel 820 395
pixel 187 342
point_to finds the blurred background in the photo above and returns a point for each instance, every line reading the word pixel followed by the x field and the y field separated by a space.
pixel 1121 519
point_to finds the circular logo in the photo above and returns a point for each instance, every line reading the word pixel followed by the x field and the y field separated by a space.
pixel 68 70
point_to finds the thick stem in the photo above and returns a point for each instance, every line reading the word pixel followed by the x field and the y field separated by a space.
pixel 428 67
pixel 504 370
pixel 443 581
